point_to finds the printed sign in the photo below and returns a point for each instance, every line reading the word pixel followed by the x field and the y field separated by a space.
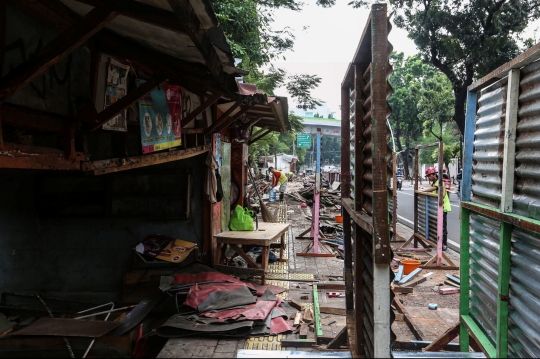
pixel 303 140
pixel 116 89
pixel 160 118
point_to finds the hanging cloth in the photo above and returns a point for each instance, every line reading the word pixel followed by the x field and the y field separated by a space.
pixel 210 186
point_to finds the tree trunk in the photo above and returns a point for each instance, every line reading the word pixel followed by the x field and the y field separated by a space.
pixel 460 97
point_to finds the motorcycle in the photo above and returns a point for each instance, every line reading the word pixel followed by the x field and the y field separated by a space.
pixel 399 182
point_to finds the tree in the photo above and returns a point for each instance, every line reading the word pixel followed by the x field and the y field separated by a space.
pixel 435 104
pixel 465 39
pixel 407 78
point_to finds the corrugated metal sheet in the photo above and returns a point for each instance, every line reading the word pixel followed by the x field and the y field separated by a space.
pixel 367 189
pixel 527 166
pixel 484 262
pixel 524 312
pixel 431 225
pixel 489 144
pixel 367 289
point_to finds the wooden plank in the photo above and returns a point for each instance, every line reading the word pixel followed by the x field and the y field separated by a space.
pixel 55 51
pixel 317 312
pixel 399 274
pixel 37 158
pixel 331 310
pixel 33 120
pixel 299 343
pixel 515 220
pixel 418 345
pixel 224 120
pixel 453 279
pixel 197 33
pixel 421 280
pixel 362 220
pixel 524 59
pixel 307 254
pixel 468 140
pixel 297 318
pixel 410 276
pixel 398 289
pixel 304 330
pixel 125 102
pixel 337 285
pixel 141 12
pixel 126 163
pixel 450 283
pixel 293 303
pixel 202 107
pixel 478 336
pixel 241 273
pixel 414 329
pixel 340 339
pixel 509 154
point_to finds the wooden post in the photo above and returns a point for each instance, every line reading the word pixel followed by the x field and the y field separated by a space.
pixel 358 136
pixel 316 196
pixel 509 155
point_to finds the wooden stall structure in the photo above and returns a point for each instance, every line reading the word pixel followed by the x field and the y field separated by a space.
pixel 365 189
pixel 74 76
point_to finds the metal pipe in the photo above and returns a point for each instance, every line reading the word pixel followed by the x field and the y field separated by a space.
pixel 105 312
pixel 106 318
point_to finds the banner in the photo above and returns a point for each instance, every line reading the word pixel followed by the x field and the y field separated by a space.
pixel 160 118
pixel 116 89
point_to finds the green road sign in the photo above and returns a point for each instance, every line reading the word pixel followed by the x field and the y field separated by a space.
pixel 303 140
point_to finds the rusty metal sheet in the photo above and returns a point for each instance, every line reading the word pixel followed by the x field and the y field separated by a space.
pixel 68 328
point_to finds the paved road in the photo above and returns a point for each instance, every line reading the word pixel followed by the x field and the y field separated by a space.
pixel 406 213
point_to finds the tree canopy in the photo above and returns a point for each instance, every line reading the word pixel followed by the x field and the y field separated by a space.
pixel 465 39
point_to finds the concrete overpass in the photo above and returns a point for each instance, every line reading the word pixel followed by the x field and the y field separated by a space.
pixel 329 127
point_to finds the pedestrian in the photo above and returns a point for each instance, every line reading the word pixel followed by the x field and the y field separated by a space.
pixel 290 176
pixel 432 176
pixel 279 179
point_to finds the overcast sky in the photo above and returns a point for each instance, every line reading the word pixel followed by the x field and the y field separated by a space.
pixel 327 44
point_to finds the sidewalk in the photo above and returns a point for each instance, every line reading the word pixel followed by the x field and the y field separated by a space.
pixel 297 274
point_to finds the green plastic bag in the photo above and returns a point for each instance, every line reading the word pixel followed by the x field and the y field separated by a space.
pixel 241 220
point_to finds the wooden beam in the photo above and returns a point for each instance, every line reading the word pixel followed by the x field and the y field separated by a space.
pixel 256 133
pixel 400 308
pixel 223 120
pixel 509 154
pixel 56 15
pixel 125 102
pixel 361 219
pixel 55 51
pixel 196 112
pixel 33 120
pixel 259 137
pixel 340 339
pixel 127 163
pixel 196 32
pixel 141 12
pixel 37 158
pixel 332 310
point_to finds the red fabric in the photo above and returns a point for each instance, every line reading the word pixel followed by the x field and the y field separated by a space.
pixel 205 277
pixel 255 311
pixel 280 325
pixel 198 293
pixel 275 178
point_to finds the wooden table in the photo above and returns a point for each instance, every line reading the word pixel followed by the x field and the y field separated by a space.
pixel 241 240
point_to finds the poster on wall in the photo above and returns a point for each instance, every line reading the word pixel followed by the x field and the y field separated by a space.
pixel 160 116
pixel 116 89
pixel 190 102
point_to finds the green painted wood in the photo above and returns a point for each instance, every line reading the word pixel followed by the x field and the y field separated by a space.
pixel 317 312
pixel 464 277
pixel 503 289
pixel 478 333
